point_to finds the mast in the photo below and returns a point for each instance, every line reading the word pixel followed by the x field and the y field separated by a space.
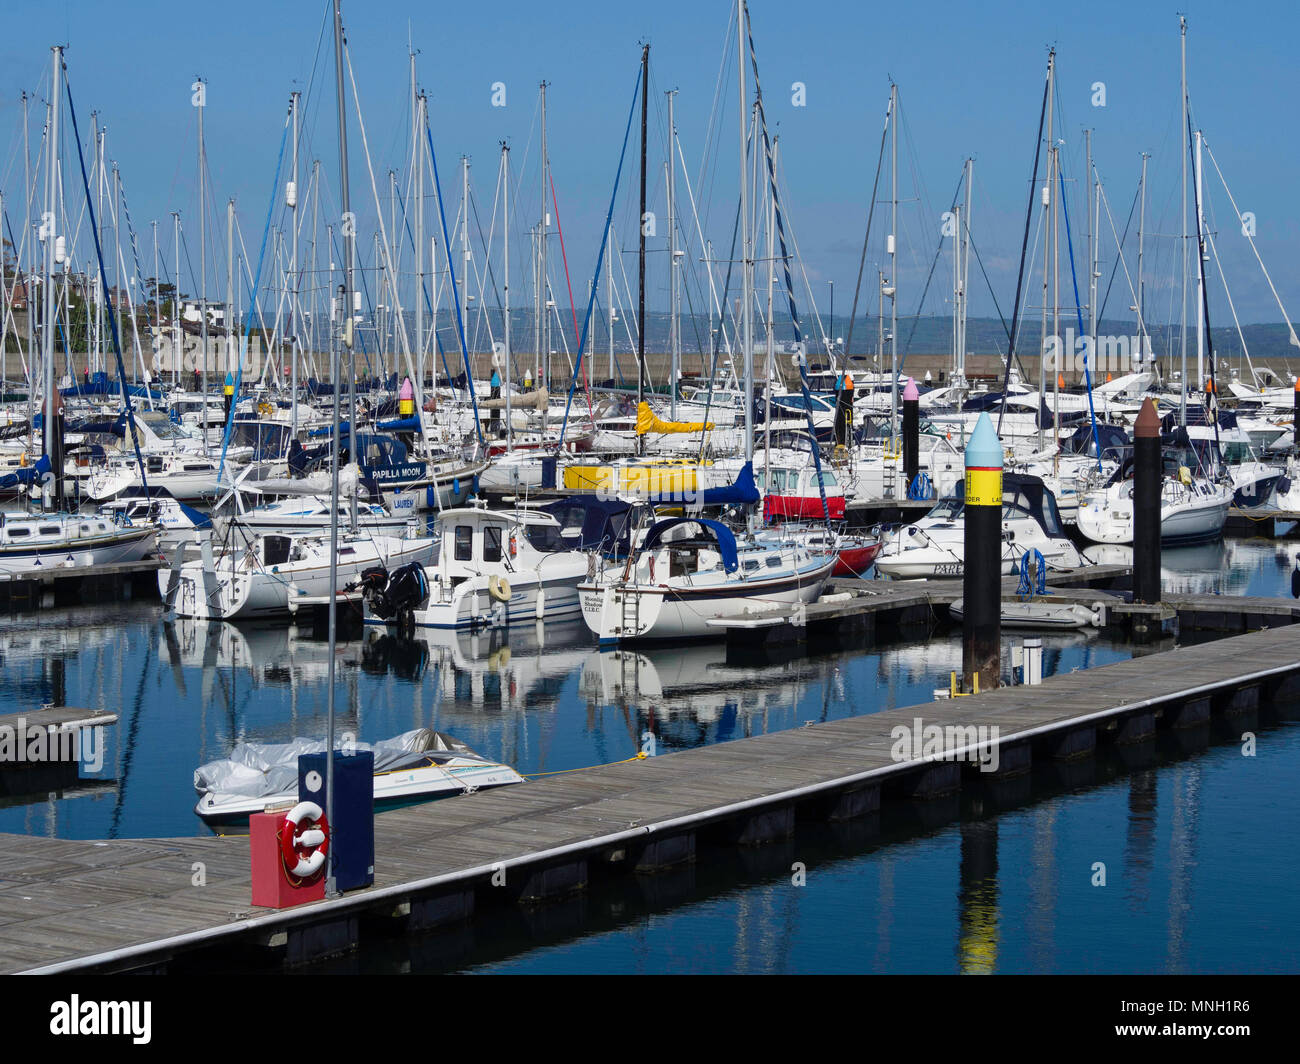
pixel 464 250
pixel 1182 34
pixel 1200 273
pixel 1142 221
pixel 49 421
pixel 230 292
pixel 178 352
pixel 610 314
pixel 201 103
pixel 295 325
pixel 640 313
pixel 505 368
pixel 1048 200
pixel 349 251
pixel 540 360
pixel 674 300
pixel 417 158
pixel 893 264
pixel 746 240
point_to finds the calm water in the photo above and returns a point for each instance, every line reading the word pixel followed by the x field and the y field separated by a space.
pixel 1199 843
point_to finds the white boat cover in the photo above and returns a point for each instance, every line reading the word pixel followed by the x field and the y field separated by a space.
pixel 263 770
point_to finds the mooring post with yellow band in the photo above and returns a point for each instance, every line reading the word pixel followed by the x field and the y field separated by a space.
pixel 981 655
pixel 229 392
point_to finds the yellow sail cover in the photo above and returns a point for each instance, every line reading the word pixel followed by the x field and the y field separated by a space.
pixel 646 421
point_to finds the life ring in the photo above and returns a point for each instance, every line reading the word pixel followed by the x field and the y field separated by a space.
pixel 499 588
pixel 300 867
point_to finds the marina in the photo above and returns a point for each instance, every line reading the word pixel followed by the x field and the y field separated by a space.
pixel 498 550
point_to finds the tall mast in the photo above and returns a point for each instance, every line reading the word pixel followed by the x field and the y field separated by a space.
pixel 1200 273
pixel 746 240
pixel 49 422
pixel 1142 222
pixel 295 324
pixel 1092 252
pixel 505 368
pixel 674 295
pixel 349 252
pixel 609 300
pixel 230 289
pixel 1048 200
pixel 1182 34
pixel 640 312
pixel 965 267
pixel 542 359
pixel 893 264
pixel 179 348
pixel 201 105
pixel 417 161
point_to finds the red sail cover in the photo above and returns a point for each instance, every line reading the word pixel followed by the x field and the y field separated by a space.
pixel 802 507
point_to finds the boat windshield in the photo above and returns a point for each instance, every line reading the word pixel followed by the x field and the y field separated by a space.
pixel 545 538
pixel 949 508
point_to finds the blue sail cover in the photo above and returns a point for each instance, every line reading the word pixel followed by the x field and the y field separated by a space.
pixel 406 424
pixel 726 539
pixel 34 474
pixel 99 384
pixel 605 523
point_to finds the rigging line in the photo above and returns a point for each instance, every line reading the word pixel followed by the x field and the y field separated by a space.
pixel 600 257
pixel 451 267
pixel 916 318
pixel 248 327
pixel 1101 311
pixel 1251 238
pixel 1078 308
pixel 871 213
pixel 103 276
pixel 564 257
pixel 789 282
pixel 1020 279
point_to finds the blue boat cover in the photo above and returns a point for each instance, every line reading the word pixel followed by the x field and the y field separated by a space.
pixel 726 539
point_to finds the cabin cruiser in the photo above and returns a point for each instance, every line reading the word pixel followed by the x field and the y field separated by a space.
pixel 157 506
pixel 267 574
pixel 34 543
pixel 416 766
pixel 936 545
pixel 687 573
pixel 493 568
pixel 1193 509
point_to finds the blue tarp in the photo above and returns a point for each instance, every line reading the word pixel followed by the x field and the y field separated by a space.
pixel 34 474
pixel 725 538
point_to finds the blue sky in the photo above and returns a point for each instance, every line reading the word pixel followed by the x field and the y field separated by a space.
pixel 970 79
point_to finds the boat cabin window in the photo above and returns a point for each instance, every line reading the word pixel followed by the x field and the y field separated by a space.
pixel 49 530
pixel 492 543
pixel 750 565
pixel 464 549
pixel 275 549
pixel 19 530
pixel 773 561
pixel 545 538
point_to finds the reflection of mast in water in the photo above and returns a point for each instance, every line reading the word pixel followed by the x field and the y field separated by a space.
pixel 977 899
pixel 1141 836
pixel 1042 912
pixel 1183 838
pixel 884 911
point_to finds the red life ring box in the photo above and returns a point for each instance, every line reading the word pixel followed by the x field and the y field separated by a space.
pixel 274 885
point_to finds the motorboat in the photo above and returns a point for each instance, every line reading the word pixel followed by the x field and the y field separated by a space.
pixel 416 766
pixel 493 568
pixel 268 575
pixel 1193 509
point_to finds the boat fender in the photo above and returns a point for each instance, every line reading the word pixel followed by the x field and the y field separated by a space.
pixel 541 604
pixel 299 866
pixel 1184 476
pixel 499 588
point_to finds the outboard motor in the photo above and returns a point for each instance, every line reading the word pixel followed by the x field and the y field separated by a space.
pixel 396 595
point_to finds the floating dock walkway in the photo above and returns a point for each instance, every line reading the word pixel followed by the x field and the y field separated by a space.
pixel 167 904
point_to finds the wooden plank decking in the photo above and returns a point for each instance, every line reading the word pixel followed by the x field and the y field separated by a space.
pixel 71 905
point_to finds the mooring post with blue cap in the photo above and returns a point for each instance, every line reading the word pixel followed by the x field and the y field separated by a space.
pixel 1146 505
pixel 911 433
pixel 981 628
